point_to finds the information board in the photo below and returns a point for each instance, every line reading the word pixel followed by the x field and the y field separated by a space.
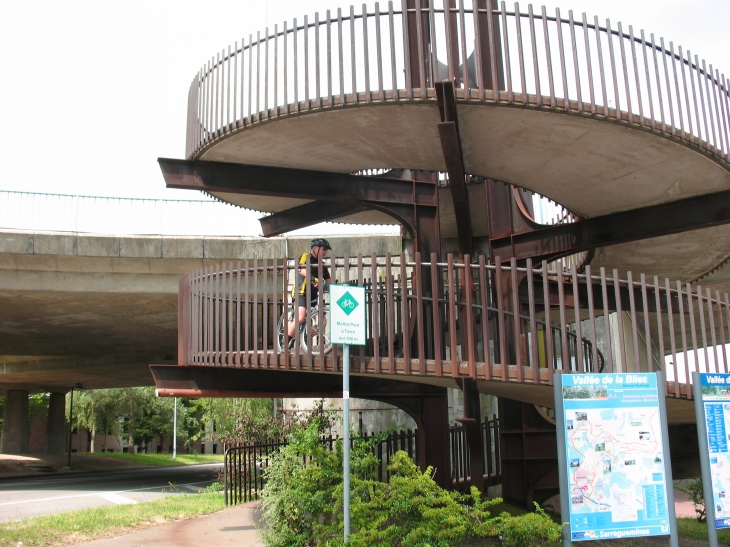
pixel 348 315
pixel 716 405
pixel 615 453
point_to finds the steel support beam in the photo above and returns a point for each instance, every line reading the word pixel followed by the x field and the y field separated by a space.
pixel 643 223
pixel 453 156
pixel 235 178
pixel 308 214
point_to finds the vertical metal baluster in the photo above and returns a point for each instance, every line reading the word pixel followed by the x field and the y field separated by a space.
pixel 234 118
pixel 393 71
pixel 647 327
pixel 535 64
pixel 285 35
pixel 433 53
pixel 217 120
pixel 698 137
pixel 255 311
pixel 673 343
pixel 687 376
pixel 597 28
pixel 500 317
pixel 592 320
pixel 620 324
pixel 275 308
pixel 563 69
pixel 379 53
pixel 700 76
pixel 308 306
pixel 469 304
pixel 217 335
pixel 353 55
pixel 265 314
pixel 361 349
pixel 450 46
pixel 320 314
pixel 418 280
pixel 520 54
pixel 406 50
pixel 328 23
pixel 549 350
pixel 660 328
pixel 258 75
pixel 506 56
pixel 609 35
pixel 478 46
pixel 576 308
pixel 246 319
pixel 295 304
pixel 659 82
pixel 464 65
pixel 341 57
pixel 306 63
pixel 670 104
pixel 714 119
pixel 648 80
pixel 725 107
pixel 419 37
pixel 317 77
pixel 534 357
pixel 437 326
pixel 229 305
pixel 713 336
pixel 549 56
pixel 701 309
pixel 676 84
pixel 375 312
pixel 452 317
pixel 517 320
pixel 571 25
pixel 405 323
pixel 276 70
pixel 484 293
pixel 295 62
pixel 250 78
pixel 639 100
pixel 634 329
pixel 564 350
pixel 604 294
pixel 390 312
pixel 589 67
pixel 718 113
pixel 285 312
pixel 692 326
pixel 625 73
pixel 366 55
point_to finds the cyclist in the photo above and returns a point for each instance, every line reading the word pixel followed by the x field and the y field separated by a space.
pixel 318 249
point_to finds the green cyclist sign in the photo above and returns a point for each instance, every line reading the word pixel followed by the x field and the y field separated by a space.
pixel 348 315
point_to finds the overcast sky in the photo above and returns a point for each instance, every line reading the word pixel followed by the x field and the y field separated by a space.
pixel 94 92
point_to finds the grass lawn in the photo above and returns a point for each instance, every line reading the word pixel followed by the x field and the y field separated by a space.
pixel 89 524
pixel 158 459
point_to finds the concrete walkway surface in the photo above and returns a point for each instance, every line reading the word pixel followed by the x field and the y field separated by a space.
pixel 234 526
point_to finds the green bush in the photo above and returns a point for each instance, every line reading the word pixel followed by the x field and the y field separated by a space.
pixel 302 504
pixel 696 492
pixel 534 529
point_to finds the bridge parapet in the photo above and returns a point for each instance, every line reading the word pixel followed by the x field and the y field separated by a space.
pixel 396 55
pixel 451 320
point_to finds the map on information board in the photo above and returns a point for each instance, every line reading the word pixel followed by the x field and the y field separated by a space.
pixel 615 456
pixel 716 402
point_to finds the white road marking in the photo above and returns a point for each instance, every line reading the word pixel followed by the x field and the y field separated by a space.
pixel 97 494
pixel 116 498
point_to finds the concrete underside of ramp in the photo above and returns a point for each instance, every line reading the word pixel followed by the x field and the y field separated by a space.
pixel 590 165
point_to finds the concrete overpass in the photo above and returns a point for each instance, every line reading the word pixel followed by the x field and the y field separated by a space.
pixel 97 310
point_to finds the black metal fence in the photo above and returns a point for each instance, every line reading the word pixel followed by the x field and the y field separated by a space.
pixel 245 465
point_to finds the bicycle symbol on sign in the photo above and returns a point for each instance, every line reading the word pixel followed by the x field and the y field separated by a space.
pixel 347 304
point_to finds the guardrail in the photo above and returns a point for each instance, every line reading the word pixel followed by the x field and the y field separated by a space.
pixel 245 465
pixel 541 60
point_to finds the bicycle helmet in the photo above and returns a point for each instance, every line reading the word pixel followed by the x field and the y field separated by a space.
pixel 320 242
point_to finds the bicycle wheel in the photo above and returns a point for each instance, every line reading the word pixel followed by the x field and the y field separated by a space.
pixel 316 332
pixel 283 323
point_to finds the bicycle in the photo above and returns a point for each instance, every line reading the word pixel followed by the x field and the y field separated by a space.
pixel 314 331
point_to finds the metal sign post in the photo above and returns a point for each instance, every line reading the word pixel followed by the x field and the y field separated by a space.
pixel 347 327
pixel 613 457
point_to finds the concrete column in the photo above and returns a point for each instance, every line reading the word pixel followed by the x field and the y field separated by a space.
pixel 16 428
pixel 56 430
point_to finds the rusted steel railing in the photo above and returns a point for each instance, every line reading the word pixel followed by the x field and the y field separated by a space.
pixel 488 322
pixel 568 64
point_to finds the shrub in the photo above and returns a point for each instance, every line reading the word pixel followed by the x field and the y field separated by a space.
pixel 302 504
pixel 535 529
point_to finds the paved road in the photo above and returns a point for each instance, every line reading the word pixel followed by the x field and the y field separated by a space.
pixel 41 495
